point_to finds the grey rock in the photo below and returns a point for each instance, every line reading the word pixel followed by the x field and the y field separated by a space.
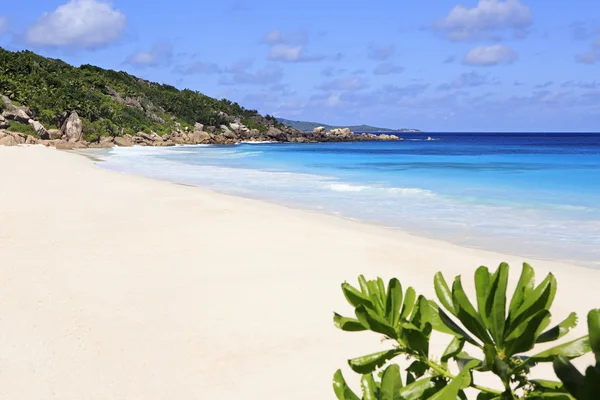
pixel 320 130
pixel 39 129
pixel 4 123
pixel 72 128
pixel 123 141
pixel 55 133
pixel 199 137
pixel 17 115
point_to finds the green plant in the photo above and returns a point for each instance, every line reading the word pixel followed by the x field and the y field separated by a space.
pixel 500 331
pixel 21 128
pixel 583 387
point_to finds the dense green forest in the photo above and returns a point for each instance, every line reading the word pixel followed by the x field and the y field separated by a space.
pixel 109 102
pixel 306 126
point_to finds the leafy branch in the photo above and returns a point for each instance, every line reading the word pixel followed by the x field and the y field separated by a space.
pixel 501 332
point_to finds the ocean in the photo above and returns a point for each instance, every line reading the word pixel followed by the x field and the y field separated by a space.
pixel 531 194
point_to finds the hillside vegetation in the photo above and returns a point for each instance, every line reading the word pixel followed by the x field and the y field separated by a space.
pixel 111 103
pixel 306 126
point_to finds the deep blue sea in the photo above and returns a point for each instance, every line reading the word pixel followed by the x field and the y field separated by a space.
pixel 536 195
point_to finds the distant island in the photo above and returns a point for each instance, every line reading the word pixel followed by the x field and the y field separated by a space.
pixel 306 126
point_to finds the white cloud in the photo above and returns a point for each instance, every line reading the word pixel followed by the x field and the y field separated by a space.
pixel 285 52
pixel 161 53
pixel 274 36
pixel 289 48
pixel 388 68
pixel 490 55
pixel 348 83
pixel 590 57
pixel 465 80
pixel 381 53
pixel 463 23
pixel 79 24
pixel 3 24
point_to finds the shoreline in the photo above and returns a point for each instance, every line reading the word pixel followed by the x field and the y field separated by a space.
pixel 122 286
pixel 418 232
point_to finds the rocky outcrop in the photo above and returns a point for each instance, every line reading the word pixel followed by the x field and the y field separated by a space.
pixel 123 141
pixel 384 136
pixel 20 114
pixel 64 145
pixel 127 101
pixel 4 123
pixel 199 137
pixel 72 128
pixel 39 129
pixel 55 134
pixel 12 138
pixel 8 140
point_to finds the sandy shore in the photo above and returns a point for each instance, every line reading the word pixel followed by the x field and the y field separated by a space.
pixel 120 287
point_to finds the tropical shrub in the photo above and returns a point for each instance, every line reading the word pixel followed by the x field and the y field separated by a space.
pixel 500 331
pixel 583 387
pixel 21 128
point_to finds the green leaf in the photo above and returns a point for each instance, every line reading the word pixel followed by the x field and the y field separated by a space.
pixel 417 389
pixel 461 381
pixel 548 385
pixel 466 313
pixel 417 369
pixel 369 363
pixel 482 289
pixel 443 293
pixel 409 302
pixel 569 375
pixel 363 285
pixel 394 302
pixel 548 395
pixel 381 289
pixel 341 389
pixel 347 324
pixel 391 383
pixel 463 359
pixel 369 389
pixel 524 287
pixel 591 386
pixel 376 297
pixel 559 330
pixel 522 339
pixel 496 304
pixel 593 321
pixel 354 297
pixel 540 299
pixel 374 322
pixel 570 350
pixel 453 328
pixel 416 339
pixel 487 396
pixel 455 347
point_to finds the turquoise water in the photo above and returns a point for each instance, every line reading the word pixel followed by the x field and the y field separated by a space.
pixel 526 194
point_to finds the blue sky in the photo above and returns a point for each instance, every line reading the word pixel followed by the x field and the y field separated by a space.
pixel 444 65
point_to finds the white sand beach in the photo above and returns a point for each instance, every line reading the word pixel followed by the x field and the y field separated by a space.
pixel 121 287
